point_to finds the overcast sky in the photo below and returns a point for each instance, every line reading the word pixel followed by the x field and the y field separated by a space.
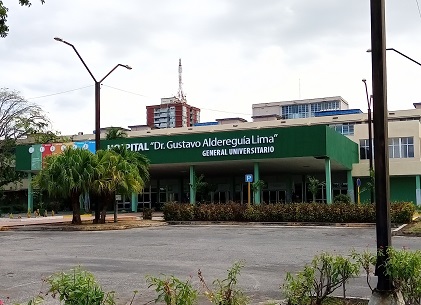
pixel 234 53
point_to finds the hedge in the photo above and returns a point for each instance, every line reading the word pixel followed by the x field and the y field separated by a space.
pixel 400 212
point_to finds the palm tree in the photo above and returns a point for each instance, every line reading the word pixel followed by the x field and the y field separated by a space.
pixel 115 175
pixel 69 174
pixel 139 160
pixel 115 133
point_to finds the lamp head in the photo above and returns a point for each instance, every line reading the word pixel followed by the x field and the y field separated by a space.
pixel 127 67
pixel 364 80
pixel 58 39
pixel 368 50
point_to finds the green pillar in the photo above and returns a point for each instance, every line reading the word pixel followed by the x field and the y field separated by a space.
pixel 350 183
pixel 418 189
pixel 30 194
pixel 256 178
pixel 192 186
pixel 134 202
pixel 328 181
pixel 158 193
pixel 233 189
pixel 181 190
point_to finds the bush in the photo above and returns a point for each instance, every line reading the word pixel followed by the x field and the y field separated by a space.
pixel 320 279
pixel 226 291
pixel 79 287
pixel 402 212
pixel 404 267
pixel 147 213
pixel 342 198
pixel 173 291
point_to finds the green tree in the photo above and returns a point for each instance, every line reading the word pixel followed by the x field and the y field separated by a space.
pixel 136 158
pixel 256 187
pixel 4 29
pixel 115 175
pixel 313 186
pixel 139 160
pixel 69 174
pixel 198 184
pixel 18 120
pixel 115 133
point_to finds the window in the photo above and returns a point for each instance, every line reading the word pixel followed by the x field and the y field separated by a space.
pixel 347 129
pixel 323 106
pixel 364 149
pixel 401 147
pixel 295 111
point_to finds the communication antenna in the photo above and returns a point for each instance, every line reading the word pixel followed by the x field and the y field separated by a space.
pixel 299 88
pixel 180 95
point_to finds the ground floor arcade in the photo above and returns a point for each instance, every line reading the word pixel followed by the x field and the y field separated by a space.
pixel 280 158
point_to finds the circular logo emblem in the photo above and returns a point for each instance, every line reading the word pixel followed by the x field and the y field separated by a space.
pixel 52 148
pixel 42 149
pixel 63 147
pixel 74 147
pixel 31 150
pixel 85 146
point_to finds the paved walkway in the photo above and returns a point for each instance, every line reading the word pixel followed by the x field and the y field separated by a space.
pixel 23 220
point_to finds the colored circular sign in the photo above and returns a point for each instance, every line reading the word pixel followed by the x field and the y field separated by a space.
pixel 358 182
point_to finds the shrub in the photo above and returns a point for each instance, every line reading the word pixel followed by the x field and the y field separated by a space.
pixel 402 212
pixel 404 267
pixel 320 279
pixel 342 198
pixel 226 292
pixel 291 212
pixel 172 211
pixel 147 213
pixel 173 291
pixel 78 287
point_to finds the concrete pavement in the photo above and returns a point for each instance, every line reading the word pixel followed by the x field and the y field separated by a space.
pixel 22 219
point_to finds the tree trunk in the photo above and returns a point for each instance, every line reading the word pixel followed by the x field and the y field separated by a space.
pixel 105 200
pixel 95 200
pixel 76 220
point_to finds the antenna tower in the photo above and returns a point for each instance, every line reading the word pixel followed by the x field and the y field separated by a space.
pixel 180 95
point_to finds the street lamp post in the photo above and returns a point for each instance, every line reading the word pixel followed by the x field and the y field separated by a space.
pixel 97 105
pixel 97 93
pixel 370 139
pixel 400 53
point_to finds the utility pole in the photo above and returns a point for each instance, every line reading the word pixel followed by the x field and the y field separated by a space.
pixel 383 294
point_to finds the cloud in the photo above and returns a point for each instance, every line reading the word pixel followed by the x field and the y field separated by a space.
pixel 234 53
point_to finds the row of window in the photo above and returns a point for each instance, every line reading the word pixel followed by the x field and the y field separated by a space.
pixel 324 106
pixel 307 110
pixel 347 129
pixel 398 148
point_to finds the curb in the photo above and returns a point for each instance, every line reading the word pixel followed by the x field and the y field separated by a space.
pixel 285 224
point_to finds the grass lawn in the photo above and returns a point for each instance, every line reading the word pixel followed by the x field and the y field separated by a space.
pixel 413 228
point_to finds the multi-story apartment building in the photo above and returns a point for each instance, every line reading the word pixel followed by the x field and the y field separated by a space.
pixel 172 113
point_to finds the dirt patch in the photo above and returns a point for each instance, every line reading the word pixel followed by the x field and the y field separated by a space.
pixel 412 229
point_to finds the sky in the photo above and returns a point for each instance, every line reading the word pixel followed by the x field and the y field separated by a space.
pixel 235 53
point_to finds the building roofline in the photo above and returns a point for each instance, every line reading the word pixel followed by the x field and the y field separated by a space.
pixel 301 101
